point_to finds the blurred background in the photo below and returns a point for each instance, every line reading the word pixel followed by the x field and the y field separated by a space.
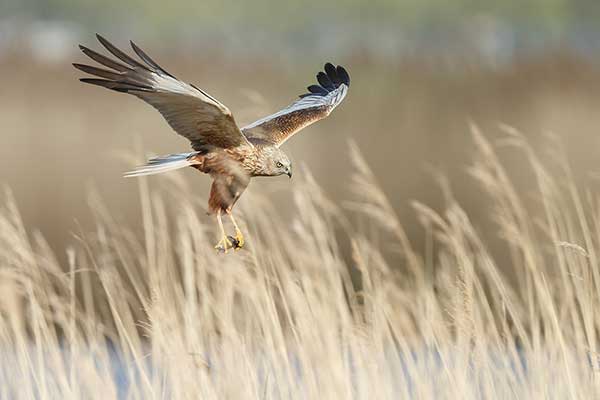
pixel 421 72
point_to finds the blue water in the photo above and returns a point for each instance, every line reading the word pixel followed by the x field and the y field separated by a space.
pixel 398 371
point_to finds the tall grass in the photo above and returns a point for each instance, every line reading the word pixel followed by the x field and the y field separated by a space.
pixel 161 315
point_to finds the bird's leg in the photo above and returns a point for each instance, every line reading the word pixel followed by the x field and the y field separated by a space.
pixel 239 238
pixel 224 244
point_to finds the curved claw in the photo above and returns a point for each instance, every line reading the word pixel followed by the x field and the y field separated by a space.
pixel 235 243
pixel 225 244
pixel 238 240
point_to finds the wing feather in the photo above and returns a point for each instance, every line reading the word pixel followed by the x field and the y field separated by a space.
pixel 121 55
pixel 190 111
pixel 107 62
pixel 309 108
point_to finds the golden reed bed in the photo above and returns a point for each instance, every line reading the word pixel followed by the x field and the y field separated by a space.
pixel 157 314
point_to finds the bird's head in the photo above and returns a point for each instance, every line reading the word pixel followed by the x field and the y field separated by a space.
pixel 275 162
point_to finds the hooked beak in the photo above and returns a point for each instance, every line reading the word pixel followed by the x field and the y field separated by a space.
pixel 289 172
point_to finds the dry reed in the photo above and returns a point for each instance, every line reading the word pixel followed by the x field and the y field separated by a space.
pixel 160 315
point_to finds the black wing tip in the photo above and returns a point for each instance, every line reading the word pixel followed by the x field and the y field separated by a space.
pixel 328 80
pixel 98 82
pixel 102 39
pixel 123 87
pixel 114 78
pixel 147 63
pixel 337 73
pixel 154 66
pixel 343 75
pixel 85 50
pixel 82 67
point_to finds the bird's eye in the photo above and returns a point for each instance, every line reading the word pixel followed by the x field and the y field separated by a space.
pixel 279 165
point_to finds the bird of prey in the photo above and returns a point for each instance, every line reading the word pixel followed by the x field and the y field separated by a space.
pixel 229 154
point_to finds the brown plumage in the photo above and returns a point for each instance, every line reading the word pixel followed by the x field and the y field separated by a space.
pixel 229 154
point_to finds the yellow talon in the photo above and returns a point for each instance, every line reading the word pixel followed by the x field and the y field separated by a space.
pixel 229 242
pixel 224 245
pixel 239 239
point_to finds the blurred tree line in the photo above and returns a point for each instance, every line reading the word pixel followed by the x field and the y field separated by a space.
pixel 385 27
pixel 548 15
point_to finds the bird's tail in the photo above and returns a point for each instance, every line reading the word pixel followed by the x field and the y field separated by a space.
pixel 162 164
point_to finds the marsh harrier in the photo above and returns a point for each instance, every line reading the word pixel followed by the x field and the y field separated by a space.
pixel 229 154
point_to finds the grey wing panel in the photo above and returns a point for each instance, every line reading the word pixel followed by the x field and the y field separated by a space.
pixel 190 111
pixel 311 107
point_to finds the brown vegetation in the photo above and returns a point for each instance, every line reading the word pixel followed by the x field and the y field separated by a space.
pixel 487 287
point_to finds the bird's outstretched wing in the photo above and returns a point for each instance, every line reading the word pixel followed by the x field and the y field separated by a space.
pixel 311 107
pixel 190 111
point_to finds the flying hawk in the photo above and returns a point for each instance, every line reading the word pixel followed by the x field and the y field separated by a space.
pixel 230 155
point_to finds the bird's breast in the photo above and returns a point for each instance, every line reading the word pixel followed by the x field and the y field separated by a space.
pixel 246 156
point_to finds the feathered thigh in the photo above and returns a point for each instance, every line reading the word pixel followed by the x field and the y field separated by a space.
pixel 230 180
